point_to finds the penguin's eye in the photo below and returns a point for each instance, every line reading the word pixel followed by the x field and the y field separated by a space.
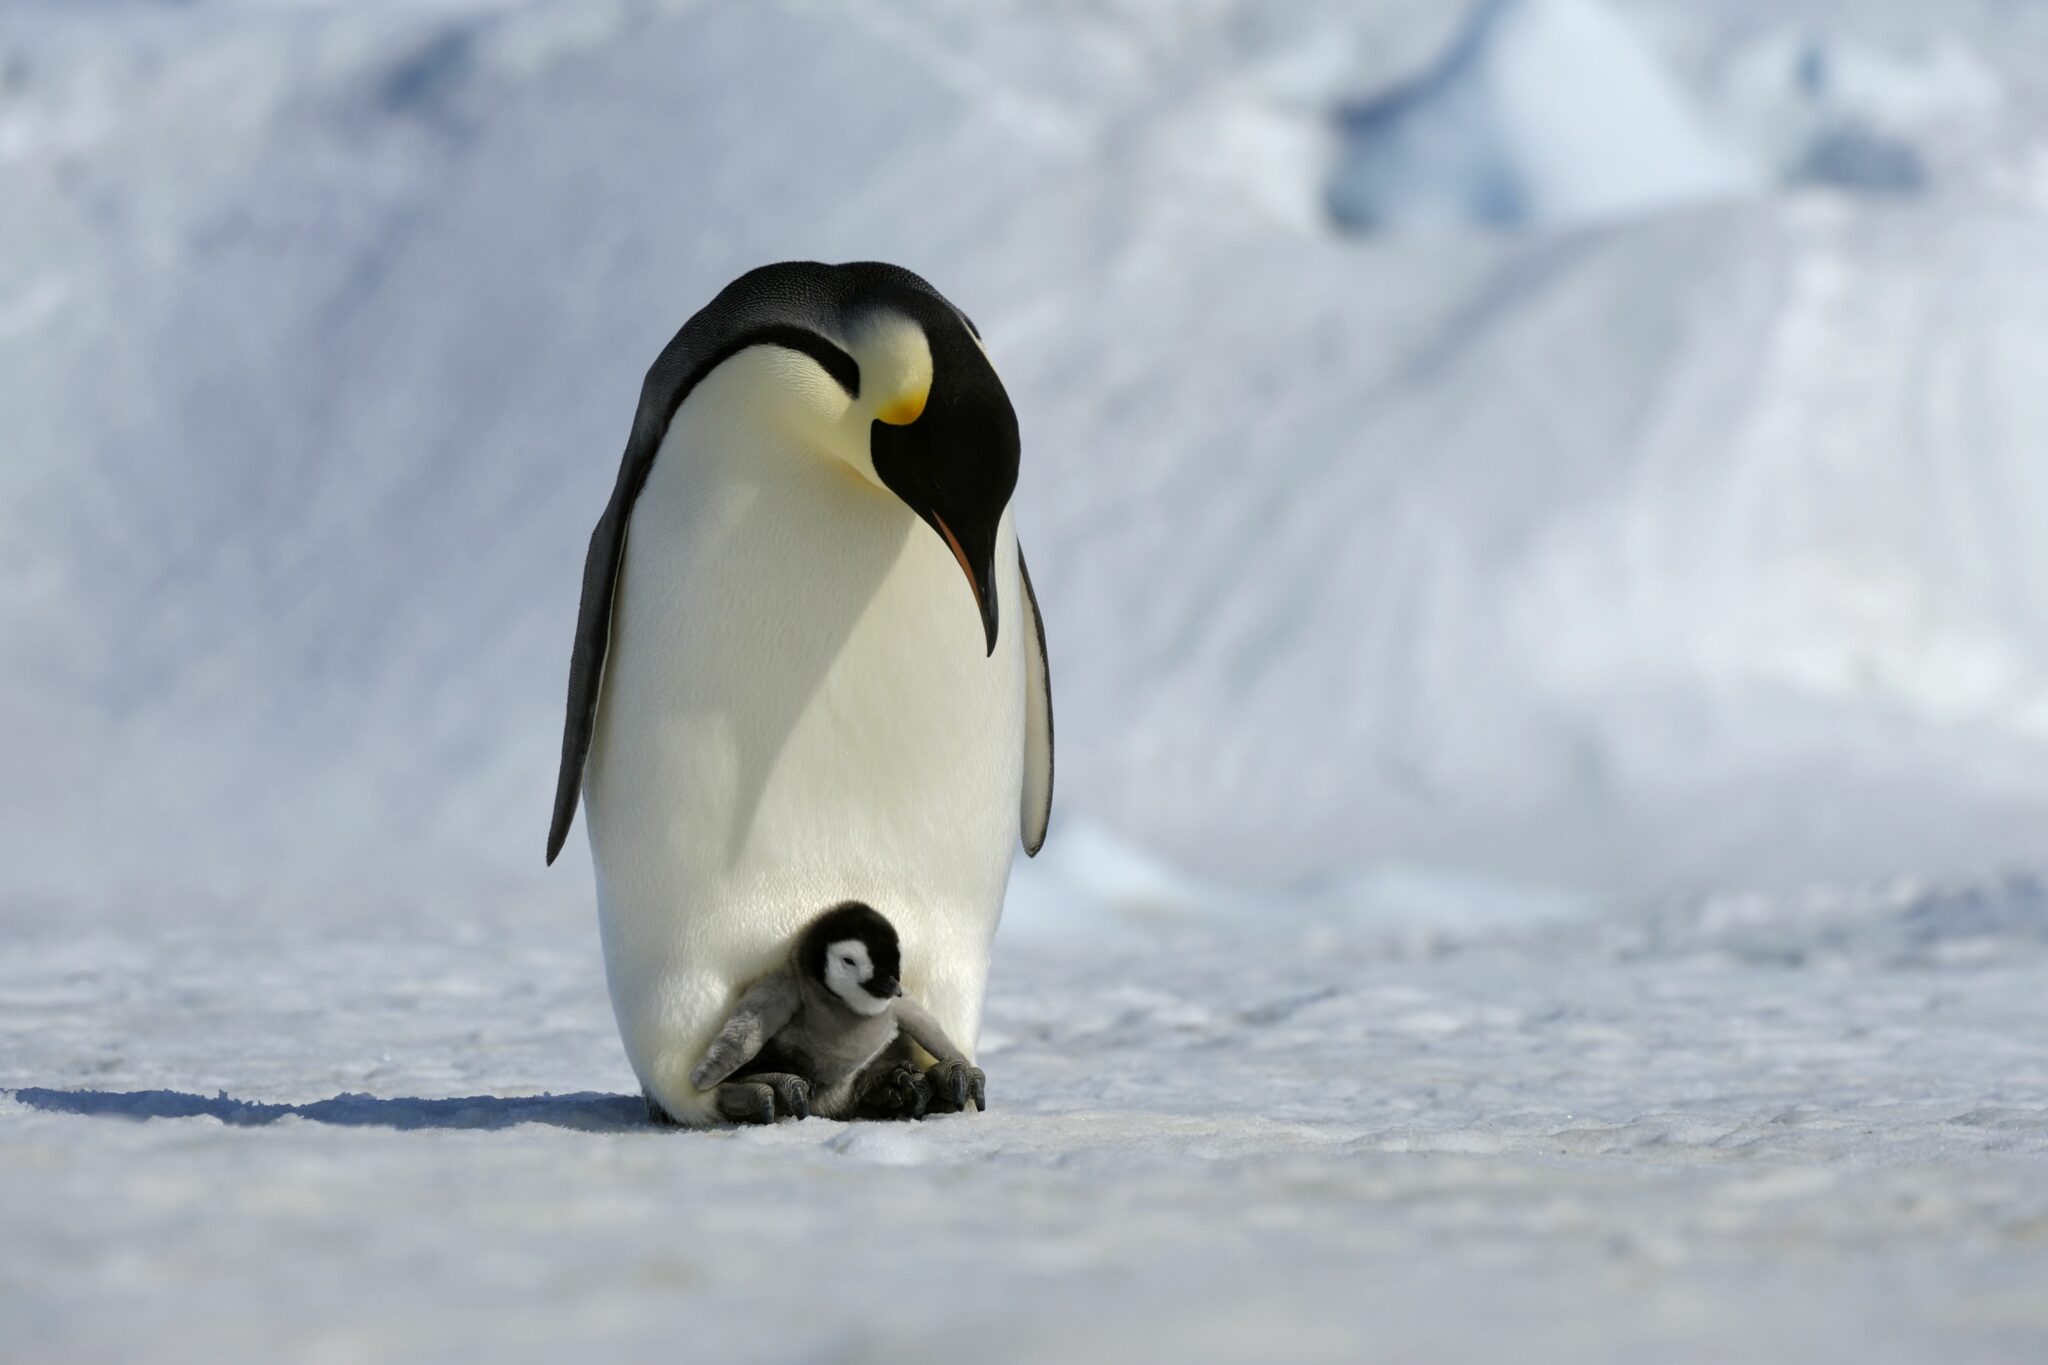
pixel 846 962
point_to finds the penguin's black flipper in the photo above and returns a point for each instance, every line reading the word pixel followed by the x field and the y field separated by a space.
pixel 1037 803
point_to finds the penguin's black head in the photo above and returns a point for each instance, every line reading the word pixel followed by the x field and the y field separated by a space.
pixel 852 951
pixel 943 437
pixel 868 362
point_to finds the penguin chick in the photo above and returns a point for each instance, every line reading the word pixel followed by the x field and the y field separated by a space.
pixel 816 1036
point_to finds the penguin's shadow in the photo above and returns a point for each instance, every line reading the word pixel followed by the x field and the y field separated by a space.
pixel 587 1112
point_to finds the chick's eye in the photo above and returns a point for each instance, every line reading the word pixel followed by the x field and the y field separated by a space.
pixel 846 962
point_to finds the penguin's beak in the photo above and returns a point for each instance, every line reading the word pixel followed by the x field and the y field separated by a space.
pixel 959 497
pixel 981 575
pixel 950 452
pixel 885 988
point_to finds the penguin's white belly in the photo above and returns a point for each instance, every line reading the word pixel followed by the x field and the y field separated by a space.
pixel 796 711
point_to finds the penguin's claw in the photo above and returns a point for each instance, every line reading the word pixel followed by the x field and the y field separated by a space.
pixel 954 1084
pixel 746 1101
pixel 792 1096
pixel 895 1089
pixel 764 1098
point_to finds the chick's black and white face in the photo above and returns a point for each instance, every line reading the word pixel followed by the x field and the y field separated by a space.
pixel 853 952
pixel 850 975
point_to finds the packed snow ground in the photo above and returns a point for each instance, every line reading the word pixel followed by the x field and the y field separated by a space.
pixel 1742 1129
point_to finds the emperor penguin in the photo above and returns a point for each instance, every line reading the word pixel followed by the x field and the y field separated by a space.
pixel 809 666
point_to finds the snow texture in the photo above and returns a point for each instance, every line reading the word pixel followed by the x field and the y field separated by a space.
pixel 1537 507
pixel 1731 1130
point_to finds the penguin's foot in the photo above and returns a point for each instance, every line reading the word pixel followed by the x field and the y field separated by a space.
pixel 746 1101
pixel 893 1089
pixel 792 1093
pixel 657 1115
pixel 954 1085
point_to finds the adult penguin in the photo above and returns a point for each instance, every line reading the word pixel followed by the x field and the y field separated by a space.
pixel 808 666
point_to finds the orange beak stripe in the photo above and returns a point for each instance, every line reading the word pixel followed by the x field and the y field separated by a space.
pixel 958 554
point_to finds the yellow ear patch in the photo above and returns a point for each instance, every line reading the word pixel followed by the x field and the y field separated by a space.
pixel 902 411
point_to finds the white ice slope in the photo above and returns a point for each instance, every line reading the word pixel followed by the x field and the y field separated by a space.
pixel 1693 549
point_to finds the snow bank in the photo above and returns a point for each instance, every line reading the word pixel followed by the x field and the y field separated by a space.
pixel 1542 113
pixel 1697 549
pixel 1833 112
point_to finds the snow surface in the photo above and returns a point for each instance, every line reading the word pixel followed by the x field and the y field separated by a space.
pixel 1740 1129
pixel 1553 703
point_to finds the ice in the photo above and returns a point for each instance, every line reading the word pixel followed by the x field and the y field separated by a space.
pixel 1825 109
pixel 1606 1137
pixel 1542 113
pixel 1593 559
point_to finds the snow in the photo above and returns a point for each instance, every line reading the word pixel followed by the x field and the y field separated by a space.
pixel 1744 1129
pixel 1600 556
pixel 1543 113
pixel 1553 702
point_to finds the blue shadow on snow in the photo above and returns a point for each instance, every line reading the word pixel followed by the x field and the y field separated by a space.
pixel 586 1112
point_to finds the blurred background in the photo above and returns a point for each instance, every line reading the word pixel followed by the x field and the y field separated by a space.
pixel 1516 453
